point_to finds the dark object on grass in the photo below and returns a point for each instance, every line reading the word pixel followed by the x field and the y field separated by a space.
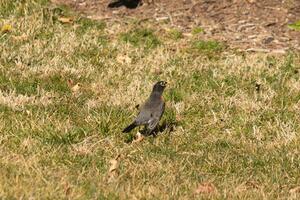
pixel 151 111
pixel 127 3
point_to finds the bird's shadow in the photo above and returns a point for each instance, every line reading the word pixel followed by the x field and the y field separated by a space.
pixel 165 128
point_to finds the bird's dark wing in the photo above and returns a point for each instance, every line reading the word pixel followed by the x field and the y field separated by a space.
pixel 144 116
pixel 156 114
pixel 162 109
pixel 150 113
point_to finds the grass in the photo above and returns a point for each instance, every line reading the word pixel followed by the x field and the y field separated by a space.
pixel 197 30
pixel 295 26
pixel 141 37
pixel 208 47
pixel 68 89
pixel 175 34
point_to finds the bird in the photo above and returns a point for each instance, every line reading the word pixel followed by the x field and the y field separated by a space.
pixel 127 3
pixel 151 111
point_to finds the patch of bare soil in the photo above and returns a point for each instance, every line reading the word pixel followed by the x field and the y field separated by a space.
pixel 250 25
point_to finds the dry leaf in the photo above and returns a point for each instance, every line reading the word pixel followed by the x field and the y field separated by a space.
pixel 187 34
pixel 157 71
pixel 295 189
pixel 124 59
pixel 205 188
pixel 6 28
pixel 114 164
pixel 113 169
pixel 67 189
pixel 65 20
pixel 20 37
pixel 252 184
pixel 70 83
pixel 76 88
pixel 294 192
pixel 139 138
pixel 178 117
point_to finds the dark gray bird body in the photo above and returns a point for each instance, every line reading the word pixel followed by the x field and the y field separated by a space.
pixel 151 111
pixel 127 3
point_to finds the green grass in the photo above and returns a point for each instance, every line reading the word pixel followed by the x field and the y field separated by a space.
pixel 175 34
pixel 197 30
pixel 141 37
pixel 68 89
pixel 295 26
pixel 210 46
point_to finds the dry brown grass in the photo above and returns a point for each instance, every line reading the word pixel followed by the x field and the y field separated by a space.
pixel 233 117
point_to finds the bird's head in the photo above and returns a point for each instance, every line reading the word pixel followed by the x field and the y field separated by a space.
pixel 159 86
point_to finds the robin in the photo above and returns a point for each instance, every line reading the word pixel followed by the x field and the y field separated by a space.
pixel 151 111
pixel 127 3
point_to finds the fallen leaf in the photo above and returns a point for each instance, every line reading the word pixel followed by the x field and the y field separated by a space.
pixel 76 88
pixel 6 28
pixel 70 82
pixel 124 59
pixel 157 71
pixel 139 138
pixel 295 189
pixel 66 20
pixel 114 164
pixel 20 37
pixel 205 188
pixel 113 169
pixel 252 184
pixel 67 189
pixel 178 117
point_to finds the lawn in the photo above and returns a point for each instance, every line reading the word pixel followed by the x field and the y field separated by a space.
pixel 69 85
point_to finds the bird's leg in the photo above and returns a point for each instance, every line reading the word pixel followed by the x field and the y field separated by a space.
pixel 148 131
pixel 155 131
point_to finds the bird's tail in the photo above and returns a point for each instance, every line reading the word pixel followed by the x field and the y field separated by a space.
pixel 116 4
pixel 129 128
